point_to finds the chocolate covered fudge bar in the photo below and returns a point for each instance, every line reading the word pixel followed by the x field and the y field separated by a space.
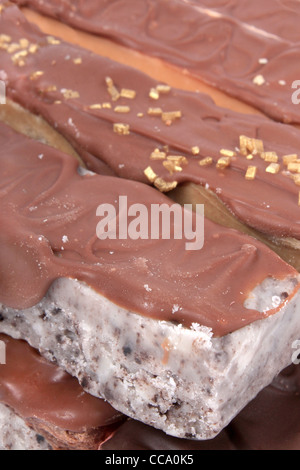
pixel 181 340
pixel 247 62
pixel 244 168
pixel 43 407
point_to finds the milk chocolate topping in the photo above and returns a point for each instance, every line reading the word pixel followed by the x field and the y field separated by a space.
pixel 278 17
pixel 48 219
pixel 215 47
pixel 69 87
pixel 35 388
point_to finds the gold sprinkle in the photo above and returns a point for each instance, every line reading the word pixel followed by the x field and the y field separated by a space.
pixel 169 117
pixel 49 89
pixel 52 41
pixel 163 89
pixel 33 48
pixel 251 173
pixel 5 38
pixel 195 150
pixel 70 94
pixel 129 94
pixel 273 168
pixel 250 157
pixel 254 146
pixel 106 106
pixel 158 155
pixel 140 115
pixel 297 179
pixel 77 61
pixel 172 167
pixel 150 174
pixel 122 109
pixel 57 102
pixel 163 186
pixel 294 167
pixel 206 161
pixel 178 159
pixel 24 43
pixel 227 153
pixel 155 112
pixel 121 129
pixel 18 58
pixel 154 94
pixel 112 90
pixel 259 80
pixel 36 75
pixel 95 106
pixel 290 159
pixel 270 157
pixel 223 163
pixel 13 47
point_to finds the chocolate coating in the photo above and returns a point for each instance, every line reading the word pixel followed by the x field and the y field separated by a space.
pixel 48 219
pixel 217 48
pixel 36 388
pixel 268 204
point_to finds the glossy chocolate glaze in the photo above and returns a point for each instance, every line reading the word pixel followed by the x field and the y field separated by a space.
pixel 217 48
pixel 278 17
pixel 268 204
pixel 48 219
pixel 269 422
pixel 36 388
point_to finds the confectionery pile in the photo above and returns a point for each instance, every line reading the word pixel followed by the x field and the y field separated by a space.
pixel 135 342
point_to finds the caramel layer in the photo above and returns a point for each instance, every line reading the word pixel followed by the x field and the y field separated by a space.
pixel 48 220
pixel 36 389
pixel 217 48
pixel 174 122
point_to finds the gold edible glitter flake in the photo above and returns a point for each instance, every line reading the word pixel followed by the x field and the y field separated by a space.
pixel 78 61
pixel 287 159
pixel 223 163
pixel 95 106
pixel 122 109
pixel 163 186
pixel 296 179
pixel 70 94
pixel 121 129
pixel 227 153
pixel 36 75
pixel 112 90
pixel 129 94
pixel 155 112
pixel 172 167
pixel 251 173
pixel 169 117
pixel 294 167
pixel 273 168
pixel 154 94
pixel 206 161
pixel 158 155
pixel 195 150
pixel 249 145
pixel 163 89
pixel 106 106
pixel 178 159
pixel 150 174
pixel 53 41
pixel 270 157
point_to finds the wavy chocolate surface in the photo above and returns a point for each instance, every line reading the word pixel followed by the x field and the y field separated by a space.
pixel 48 219
pixel 278 17
pixel 36 388
pixel 68 86
pixel 215 47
